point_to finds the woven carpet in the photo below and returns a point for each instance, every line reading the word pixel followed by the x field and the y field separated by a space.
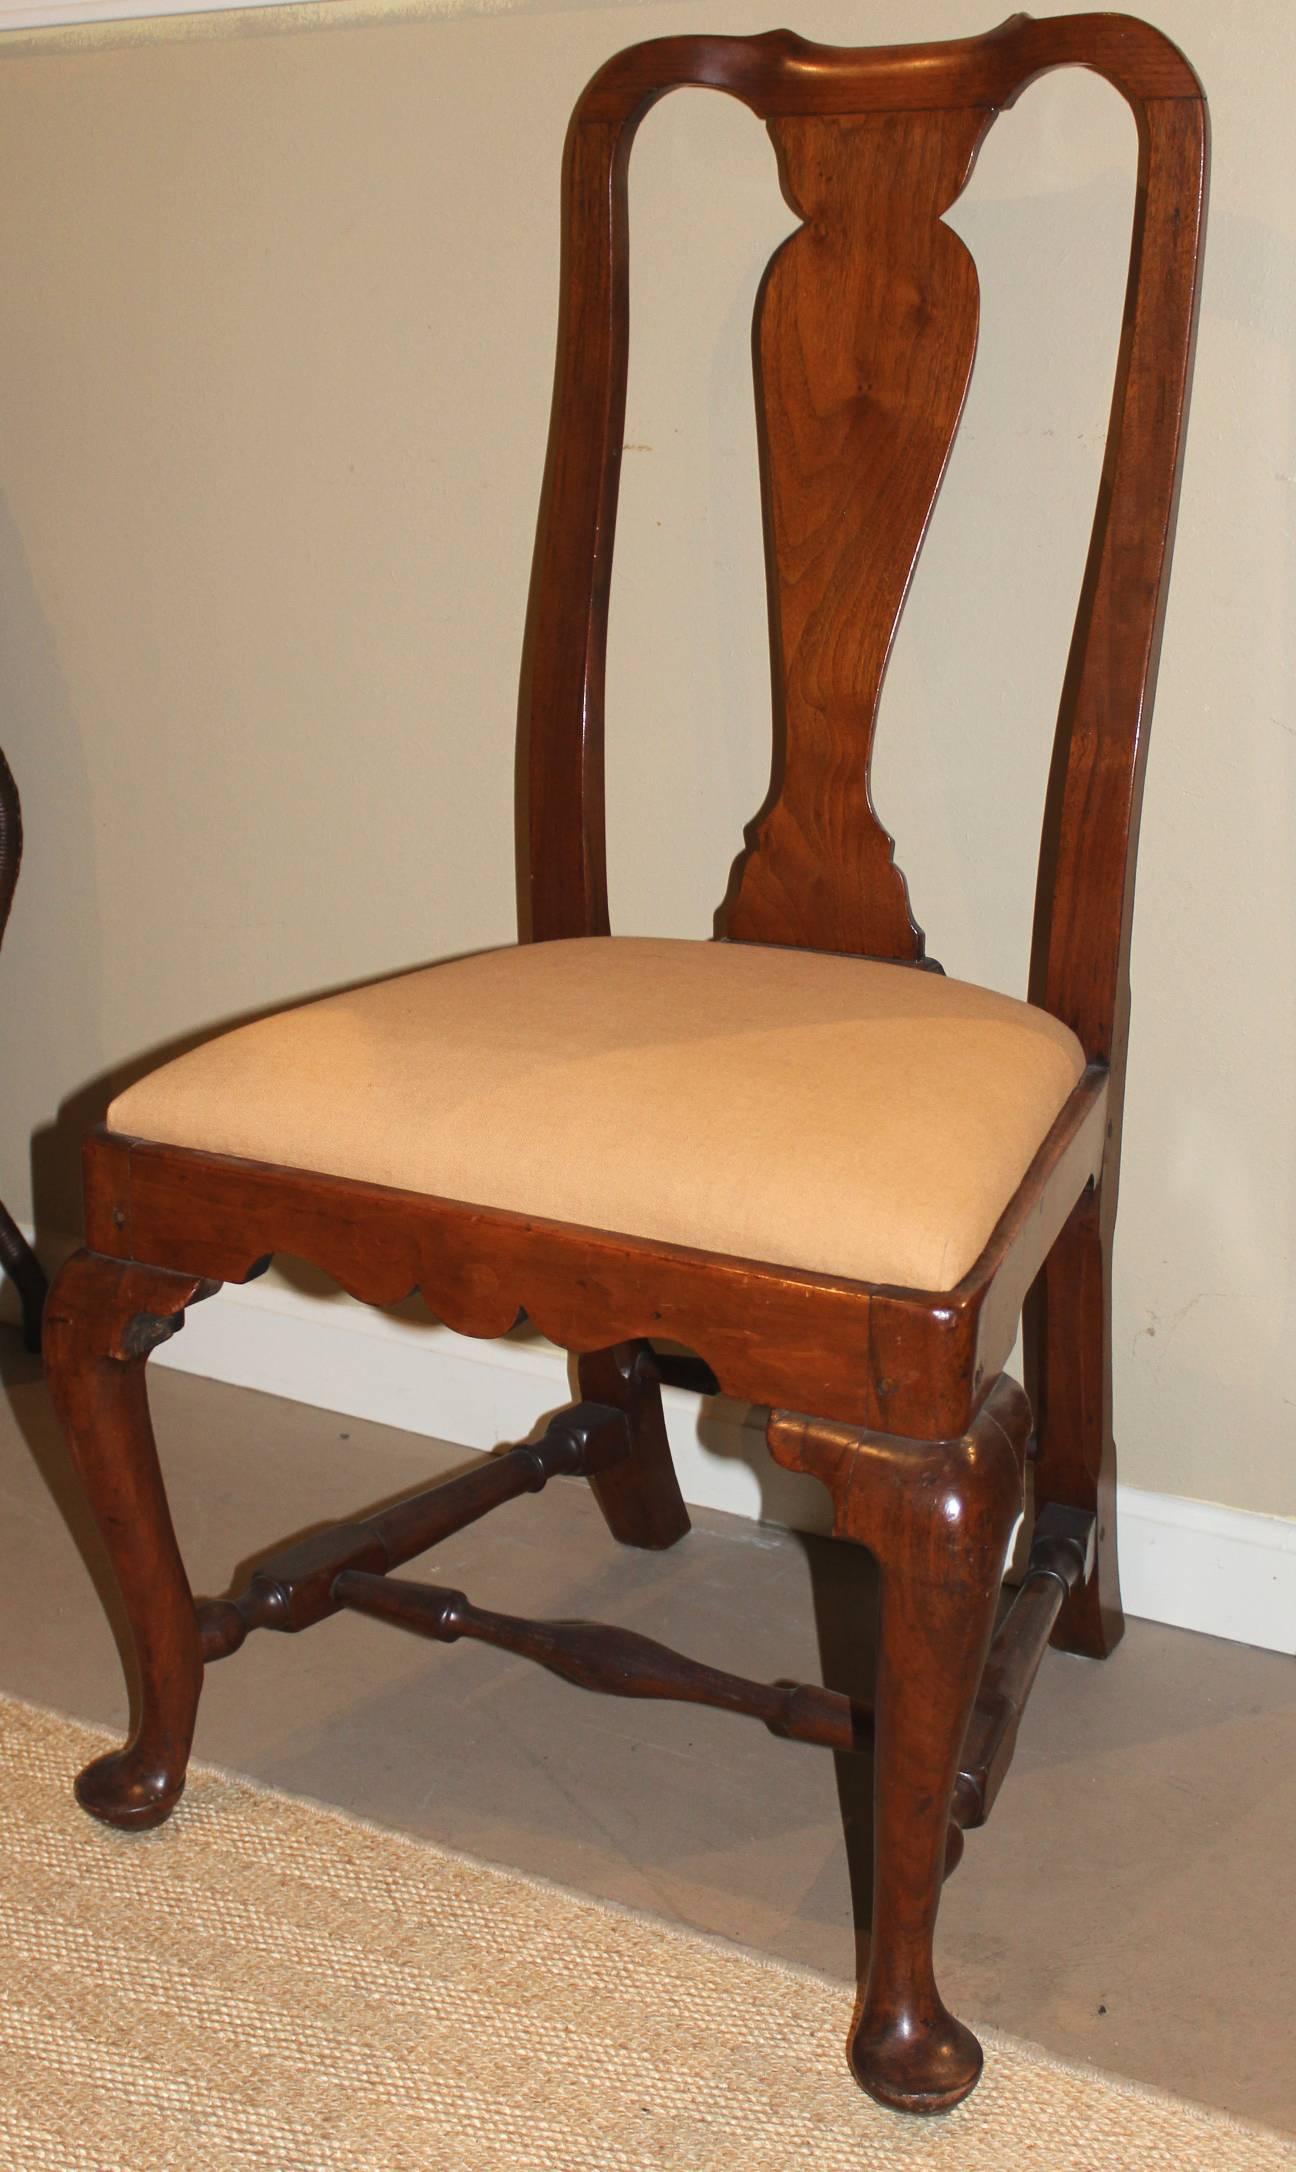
pixel 268 1985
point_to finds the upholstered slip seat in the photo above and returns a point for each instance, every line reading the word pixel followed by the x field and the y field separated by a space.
pixel 831 1113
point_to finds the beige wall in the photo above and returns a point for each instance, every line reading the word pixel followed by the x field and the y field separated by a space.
pixel 276 309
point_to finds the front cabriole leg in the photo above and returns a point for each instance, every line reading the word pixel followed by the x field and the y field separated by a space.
pixel 937 1516
pixel 102 1318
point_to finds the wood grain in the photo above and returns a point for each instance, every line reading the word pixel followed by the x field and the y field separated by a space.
pixel 867 328
pixel 638 1494
pixel 294 1589
pixel 102 1319
pixel 937 1518
pixel 948 92
pixel 782 73
pixel 896 1399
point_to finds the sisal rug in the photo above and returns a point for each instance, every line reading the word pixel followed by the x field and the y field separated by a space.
pixel 267 1986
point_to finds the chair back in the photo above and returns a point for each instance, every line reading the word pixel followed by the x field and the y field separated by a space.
pixel 865 334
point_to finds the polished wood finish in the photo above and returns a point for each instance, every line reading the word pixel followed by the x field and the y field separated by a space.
pixel 621 1663
pixel 297 1588
pixel 937 1517
pixel 1060 1562
pixel 868 323
pixel 102 1319
pixel 618 1662
pixel 947 92
pixel 896 1399
pixel 639 1493
pixel 1085 893
pixel 781 73
pixel 1068 1337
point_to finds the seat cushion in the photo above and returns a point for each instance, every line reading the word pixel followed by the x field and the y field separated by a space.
pixel 822 1112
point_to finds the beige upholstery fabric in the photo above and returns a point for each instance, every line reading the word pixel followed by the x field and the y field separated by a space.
pixel 810 1111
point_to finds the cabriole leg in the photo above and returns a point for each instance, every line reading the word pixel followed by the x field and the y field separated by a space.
pixel 1069 1327
pixel 640 1498
pixel 937 1516
pixel 102 1319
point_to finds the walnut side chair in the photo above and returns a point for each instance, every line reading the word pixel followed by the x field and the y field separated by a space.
pixel 797 1153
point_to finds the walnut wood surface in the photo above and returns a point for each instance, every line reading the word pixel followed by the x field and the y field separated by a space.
pixel 639 1494
pixel 617 1662
pixel 1060 1561
pixel 101 1321
pixel 294 1589
pixel 867 323
pixel 937 1517
pixel 867 327
pixel 934 103
pixel 1085 892
pixel 782 73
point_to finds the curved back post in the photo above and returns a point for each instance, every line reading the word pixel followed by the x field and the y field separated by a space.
pixel 866 333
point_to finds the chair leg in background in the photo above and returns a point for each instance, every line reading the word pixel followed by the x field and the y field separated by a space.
pixel 640 1498
pixel 1068 1326
pixel 24 1270
pixel 937 1517
pixel 17 1258
pixel 102 1318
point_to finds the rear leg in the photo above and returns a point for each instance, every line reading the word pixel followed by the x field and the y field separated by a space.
pixel 640 1498
pixel 1069 1337
pixel 24 1270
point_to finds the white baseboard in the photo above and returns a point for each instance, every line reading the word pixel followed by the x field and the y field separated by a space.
pixel 1224 1572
